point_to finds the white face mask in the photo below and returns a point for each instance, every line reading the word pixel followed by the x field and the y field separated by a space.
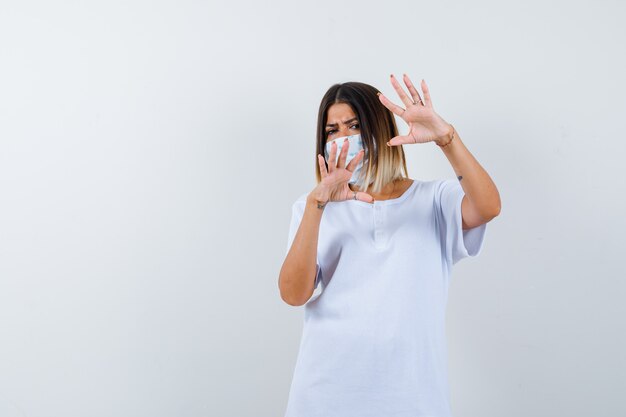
pixel 356 144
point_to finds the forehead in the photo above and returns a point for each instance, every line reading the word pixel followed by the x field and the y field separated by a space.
pixel 339 112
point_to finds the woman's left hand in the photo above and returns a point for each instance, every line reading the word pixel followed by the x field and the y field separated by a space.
pixel 424 124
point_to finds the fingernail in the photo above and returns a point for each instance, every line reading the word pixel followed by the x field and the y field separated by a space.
pixel 388 144
pixel 391 75
pixel 379 93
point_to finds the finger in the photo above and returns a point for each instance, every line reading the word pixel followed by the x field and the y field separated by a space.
pixel 401 140
pixel 332 161
pixel 322 164
pixel 360 195
pixel 344 153
pixel 355 161
pixel 414 93
pixel 396 85
pixel 427 101
pixel 395 109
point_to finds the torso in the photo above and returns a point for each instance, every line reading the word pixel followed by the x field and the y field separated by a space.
pixel 373 339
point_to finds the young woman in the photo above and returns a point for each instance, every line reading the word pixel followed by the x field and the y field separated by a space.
pixel 380 248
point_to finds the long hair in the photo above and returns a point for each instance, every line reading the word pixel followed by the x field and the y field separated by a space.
pixel 381 163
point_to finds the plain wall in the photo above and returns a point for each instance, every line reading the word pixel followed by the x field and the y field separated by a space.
pixel 150 153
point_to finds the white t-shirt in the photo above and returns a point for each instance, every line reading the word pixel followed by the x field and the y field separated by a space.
pixel 373 342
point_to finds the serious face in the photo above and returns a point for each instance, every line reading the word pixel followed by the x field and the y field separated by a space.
pixel 341 122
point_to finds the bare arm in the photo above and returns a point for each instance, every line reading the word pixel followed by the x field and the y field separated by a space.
pixel 481 202
pixel 297 275
pixel 296 280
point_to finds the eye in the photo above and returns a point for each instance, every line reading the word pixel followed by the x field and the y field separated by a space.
pixel 329 132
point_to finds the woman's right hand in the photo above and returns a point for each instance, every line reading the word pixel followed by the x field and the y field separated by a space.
pixel 334 184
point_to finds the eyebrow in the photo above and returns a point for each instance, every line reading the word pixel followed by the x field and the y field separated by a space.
pixel 345 123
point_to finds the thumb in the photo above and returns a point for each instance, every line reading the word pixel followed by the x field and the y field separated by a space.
pixel 401 140
pixel 363 196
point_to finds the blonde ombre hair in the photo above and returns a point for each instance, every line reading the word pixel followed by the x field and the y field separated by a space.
pixel 381 163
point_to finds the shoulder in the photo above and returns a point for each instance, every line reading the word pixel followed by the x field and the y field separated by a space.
pixel 438 189
pixel 448 185
pixel 429 187
pixel 439 184
pixel 301 198
pixel 299 202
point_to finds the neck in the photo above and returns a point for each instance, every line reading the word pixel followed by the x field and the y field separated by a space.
pixel 385 193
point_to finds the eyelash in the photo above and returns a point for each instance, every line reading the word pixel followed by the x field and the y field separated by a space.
pixel 331 131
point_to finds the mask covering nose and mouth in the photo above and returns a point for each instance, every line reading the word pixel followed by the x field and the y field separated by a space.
pixel 356 144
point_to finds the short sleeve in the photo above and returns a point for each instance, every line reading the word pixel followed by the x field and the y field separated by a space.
pixel 297 211
pixel 457 243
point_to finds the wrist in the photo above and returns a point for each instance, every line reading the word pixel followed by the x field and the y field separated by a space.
pixel 317 199
pixel 446 138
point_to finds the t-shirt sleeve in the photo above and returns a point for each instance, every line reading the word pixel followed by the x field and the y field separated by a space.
pixel 458 243
pixel 297 211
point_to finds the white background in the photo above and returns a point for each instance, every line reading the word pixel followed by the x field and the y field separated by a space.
pixel 150 153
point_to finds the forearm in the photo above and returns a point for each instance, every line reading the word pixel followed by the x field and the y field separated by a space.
pixel 297 275
pixel 477 184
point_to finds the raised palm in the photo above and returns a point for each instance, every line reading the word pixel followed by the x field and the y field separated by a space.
pixel 334 184
pixel 425 125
